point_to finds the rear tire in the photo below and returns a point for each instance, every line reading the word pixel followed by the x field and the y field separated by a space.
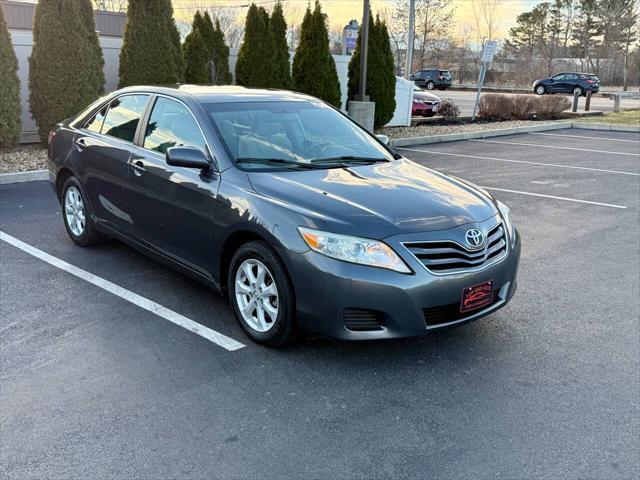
pixel 260 289
pixel 578 89
pixel 77 215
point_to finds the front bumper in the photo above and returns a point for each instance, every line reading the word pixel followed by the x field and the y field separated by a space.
pixel 325 287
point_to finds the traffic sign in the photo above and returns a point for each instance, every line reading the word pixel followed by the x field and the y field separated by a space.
pixel 489 51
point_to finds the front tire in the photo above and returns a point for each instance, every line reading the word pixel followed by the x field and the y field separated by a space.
pixel 430 85
pixel 261 295
pixel 540 90
pixel 77 216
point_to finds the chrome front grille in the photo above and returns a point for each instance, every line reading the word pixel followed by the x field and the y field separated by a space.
pixel 447 256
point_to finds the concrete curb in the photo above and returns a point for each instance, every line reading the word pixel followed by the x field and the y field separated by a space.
pixel 607 126
pixel 452 137
pixel 19 177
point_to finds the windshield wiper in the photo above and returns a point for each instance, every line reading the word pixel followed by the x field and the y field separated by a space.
pixel 348 159
pixel 276 161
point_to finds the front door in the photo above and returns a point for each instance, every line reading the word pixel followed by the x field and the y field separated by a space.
pixel 173 208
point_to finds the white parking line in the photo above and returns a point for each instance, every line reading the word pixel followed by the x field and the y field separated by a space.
pixel 556 147
pixel 575 200
pixel 573 167
pixel 218 338
pixel 585 137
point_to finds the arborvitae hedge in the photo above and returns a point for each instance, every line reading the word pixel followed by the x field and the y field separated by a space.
pixel 151 53
pixel 9 88
pixel 219 54
pixel 65 67
pixel 281 64
pixel 196 53
pixel 381 81
pixel 314 70
pixel 255 67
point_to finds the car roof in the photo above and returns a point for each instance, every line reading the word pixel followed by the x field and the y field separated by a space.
pixel 219 94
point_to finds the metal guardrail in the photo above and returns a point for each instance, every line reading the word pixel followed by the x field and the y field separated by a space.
pixel 617 96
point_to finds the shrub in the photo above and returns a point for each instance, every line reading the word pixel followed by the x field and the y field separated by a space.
pixel 448 110
pixel 281 65
pixel 66 65
pixel 314 70
pixel 500 106
pixel 151 52
pixel 196 53
pixel 255 67
pixel 9 88
pixel 381 81
pixel 219 55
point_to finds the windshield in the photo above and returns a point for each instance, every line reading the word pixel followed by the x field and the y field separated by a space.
pixel 292 134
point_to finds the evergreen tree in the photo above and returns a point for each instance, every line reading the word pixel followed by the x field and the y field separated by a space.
pixel 9 88
pixel 587 30
pixel 151 51
pixel 281 65
pixel 220 56
pixel 65 67
pixel 196 53
pixel 254 67
pixel 314 70
pixel 381 81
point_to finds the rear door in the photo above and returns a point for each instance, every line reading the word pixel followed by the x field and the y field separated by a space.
pixel 173 208
pixel 101 153
pixel 571 81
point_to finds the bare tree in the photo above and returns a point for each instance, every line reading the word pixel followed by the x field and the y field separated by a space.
pixel 119 6
pixel 485 15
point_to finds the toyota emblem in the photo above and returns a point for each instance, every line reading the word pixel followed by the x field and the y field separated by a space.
pixel 474 238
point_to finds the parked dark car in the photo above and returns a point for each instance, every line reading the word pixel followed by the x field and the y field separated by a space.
pixel 568 83
pixel 424 104
pixel 432 79
pixel 305 220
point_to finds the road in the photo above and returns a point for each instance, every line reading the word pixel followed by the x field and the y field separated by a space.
pixel 465 101
pixel 95 386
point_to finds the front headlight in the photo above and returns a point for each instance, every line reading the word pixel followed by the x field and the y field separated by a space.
pixel 504 212
pixel 363 251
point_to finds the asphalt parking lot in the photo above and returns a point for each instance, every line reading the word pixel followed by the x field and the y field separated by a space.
pixel 94 386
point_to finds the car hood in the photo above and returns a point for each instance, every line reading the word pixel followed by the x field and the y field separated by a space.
pixel 379 200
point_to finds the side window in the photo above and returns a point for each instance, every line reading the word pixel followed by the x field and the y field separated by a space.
pixel 123 117
pixel 558 78
pixel 571 76
pixel 172 125
pixel 95 124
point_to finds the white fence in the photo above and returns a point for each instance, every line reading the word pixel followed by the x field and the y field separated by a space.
pixel 23 43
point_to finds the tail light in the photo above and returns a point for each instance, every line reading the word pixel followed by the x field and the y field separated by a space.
pixel 440 77
pixel 589 81
pixel 52 136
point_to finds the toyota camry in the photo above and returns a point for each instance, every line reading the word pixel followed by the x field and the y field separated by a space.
pixel 306 221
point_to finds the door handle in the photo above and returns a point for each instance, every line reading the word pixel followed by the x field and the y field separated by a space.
pixel 138 168
pixel 80 144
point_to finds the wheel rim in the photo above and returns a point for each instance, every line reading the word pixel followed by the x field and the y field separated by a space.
pixel 430 85
pixel 540 90
pixel 577 90
pixel 256 295
pixel 74 211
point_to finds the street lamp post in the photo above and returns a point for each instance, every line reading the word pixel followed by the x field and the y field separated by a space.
pixel 410 36
pixel 364 51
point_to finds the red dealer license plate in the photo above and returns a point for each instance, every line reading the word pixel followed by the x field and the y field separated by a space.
pixel 477 296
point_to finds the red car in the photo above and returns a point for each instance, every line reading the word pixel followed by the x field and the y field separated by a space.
pixel 424 104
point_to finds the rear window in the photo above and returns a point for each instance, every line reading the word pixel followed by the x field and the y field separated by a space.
pixel 123 117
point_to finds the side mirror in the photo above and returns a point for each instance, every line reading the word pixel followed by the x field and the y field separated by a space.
pixel 383 138
pixel 188 157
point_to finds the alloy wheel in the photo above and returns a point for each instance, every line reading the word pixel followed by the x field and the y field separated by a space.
pixel 74 211
pixel 256 295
